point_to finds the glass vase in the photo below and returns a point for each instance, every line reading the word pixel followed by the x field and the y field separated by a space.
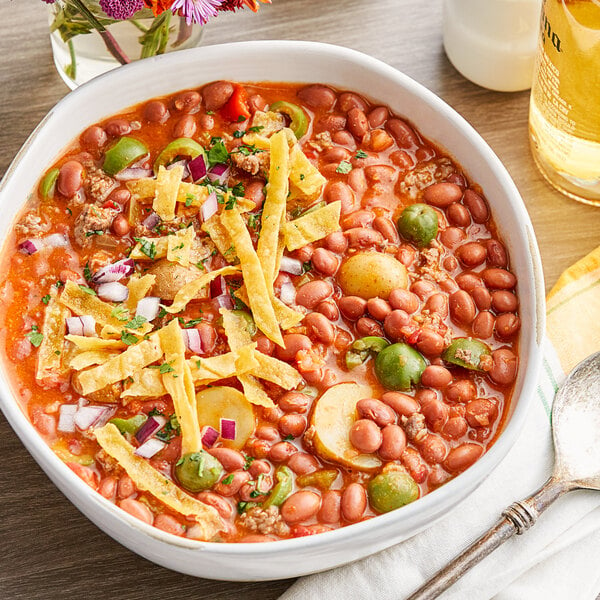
pixel 86 42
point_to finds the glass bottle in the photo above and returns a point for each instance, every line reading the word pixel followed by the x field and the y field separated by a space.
pixel 564 116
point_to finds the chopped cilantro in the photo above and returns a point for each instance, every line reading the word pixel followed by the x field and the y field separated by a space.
pixel 241 119
pixel 120 313
pixel 302 176
pixel 361 154
pixel 94 232
pixel 238 133
pixel 218 153
pixel 162 313
pixel 256 494
pixel 192 323
pixel 198 363
pixel 228 479
pixel 57 352
pixel 344 167
pixel 179 247
pixel 249 461
pixel 59 284
pixel 220 199
pixel 253 221
pixel 165 368
pixel 86 271
pixel 155 413
pixel 147 247
pixel 231 202
pixel 69 211
pixel 169 431
pixel 288 438
pixel 229 251
pixel 128 338
pixel 255 129
pixel 306 267
pixel 238 189
pixel 136 322
pixel 210 112
pixel 46 299
pixel 200 265
pixel 189 198
pixel 34 336
pixel 242 506
pixel 87 290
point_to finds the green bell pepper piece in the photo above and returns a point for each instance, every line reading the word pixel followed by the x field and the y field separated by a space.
pixel 124 153
pixel 322 479
pixel 299 123
pixel 282 489
pixel 178 147
pixel 362 348
pixel 129 425
pixel 48 184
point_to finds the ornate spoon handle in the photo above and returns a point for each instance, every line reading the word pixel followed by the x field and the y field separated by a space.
pixel 518 518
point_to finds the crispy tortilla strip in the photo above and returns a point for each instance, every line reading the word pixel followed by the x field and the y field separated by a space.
pixel 274 206
pixel 150 248
pixel 237 337
pixel 276 371
pixel 95 343
pixel 146 383
pixel 180 386
pixel 188 193
pixel 167 188
pixel 180 245
pixel 50 352
pixel 189 290
pixel 148 479
pixel 220 237
pixel 254 277
pixel 313 226
pixel 287 317
pixel 306 182
pixel 89 358
pixel 121 366
pixel 245 359
pixel 138 288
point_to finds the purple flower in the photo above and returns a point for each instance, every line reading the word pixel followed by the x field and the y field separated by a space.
pixel 48 1
pixel 121 9
pixel 197 11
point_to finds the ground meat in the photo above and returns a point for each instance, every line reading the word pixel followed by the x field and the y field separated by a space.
pixel 463 354
pixel 269 122
pixel 91 221
pixel 31 225
pixel 264 521
pixel 415 427
pixel 252 163
pixel 431 172
pixel 321 142
pixel 98 184
pixel 435 322
pixel 107 462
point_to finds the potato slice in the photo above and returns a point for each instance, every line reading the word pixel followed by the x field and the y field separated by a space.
pixel 333 417
pixel 221 402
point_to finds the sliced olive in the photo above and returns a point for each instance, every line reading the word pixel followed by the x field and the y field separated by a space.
pixel 178 147
pixel 129 425
pixel 418 223
pixel 362 349
pixel 197 471
pixel 282 489
pixel 467 353
pixel 48 184
pixel 399 366
pixel 299 120
pixel 124 153
pixel 391 490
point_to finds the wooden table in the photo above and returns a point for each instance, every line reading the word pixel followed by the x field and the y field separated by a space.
pixel 49 550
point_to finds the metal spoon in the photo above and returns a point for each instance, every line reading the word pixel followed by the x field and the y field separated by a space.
pixel 576 433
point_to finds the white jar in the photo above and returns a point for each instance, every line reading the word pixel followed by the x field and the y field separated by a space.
pixel 493 42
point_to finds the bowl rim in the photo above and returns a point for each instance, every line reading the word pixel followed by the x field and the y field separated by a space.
pixel 431 503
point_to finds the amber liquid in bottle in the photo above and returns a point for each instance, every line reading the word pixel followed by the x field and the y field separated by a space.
pixel 564 117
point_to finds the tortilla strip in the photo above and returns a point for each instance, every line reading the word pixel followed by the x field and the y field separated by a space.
pixel 313 226
pixel 287 317
pixel 306 181
pixel 189 290
pixel 180 245
pixel 188 193
pixel 220 237
pixel 89 358
pixel 121 366
pixel 237 337
pixel 158 246
pixel 49 355
pixel 167 187
pixel 276 371
pixel 180 386
pixel 95 343
pixel 138 288
pixel 148 479
pixel 254 276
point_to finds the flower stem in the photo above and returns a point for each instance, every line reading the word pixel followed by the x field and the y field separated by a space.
pixel 71 70
pixel 185 31
pixel 110 42
pixel 137 24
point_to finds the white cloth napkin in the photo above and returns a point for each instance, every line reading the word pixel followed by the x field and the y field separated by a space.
pixel 558 558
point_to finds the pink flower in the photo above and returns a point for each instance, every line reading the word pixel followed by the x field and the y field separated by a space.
pixel 197 11
pixel 121 9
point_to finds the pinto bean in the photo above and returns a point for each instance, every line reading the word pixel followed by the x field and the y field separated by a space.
pixel 169 524
pixel 430 343
pixel 436 413
pixel 387 229
pixel 331 123
pixel 504 301
pixel 442 194
pixel 302 463
pixel 344 138
pixel 437 303
pixel 359 218
pixel 507 325
pixel 156 111
pixel 504 366
pixel 336 242
pixel 403 404
pixel 357 124
pixel 318 96
pixel 319 327
pixel 120 196
pixel 433 449
pixel 458 215
pixel 93 138
pixel 455 428
pixel 325 261
pixel 375 410
pixel 354 502
pixel 294 402
pixel 361 237
pixel 452 236
pixel 207 122
pixel 381 174
pixel 462 308
pixel 305 253
pixel 403 160
pixel 481 412
pixel 482 298
pixel 313 292
pixel 416 466
pixel 231 459
pixel 406 254
pixel 352 307
pixel 125 487
pixel 483 325
pixel 498 279
pixel 404 300
pixel 462 390
pixel 118 127
pixel 237 479
pixel 221 505
pixel 138 510
pixel 469 281
pixel 422 288
pixel 265 345
pixel 462 457
pixel 402 132
pixel 187 101
pixel 185 127
pixel 281 451
pixel 329 309
pixel 378 116
pixel 292 424
pixel 336 155
pixel 300 506
pixel 471 254
pixel 393 442
pixel 395 323
pixel 259 466
pixel 120 225
pixel 496 254
pixel 293 343
pixel 338 190
pixel 347 101
pixel 258 448
pixel 217 94
pixel 365 436
pixel 436 376
pixel 257 102
pixel 368 327
pixel 476 205
pixel 330 507
pixel 70 178
pixel 378 308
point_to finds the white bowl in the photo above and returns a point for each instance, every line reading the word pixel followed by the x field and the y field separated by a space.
pixel 293 62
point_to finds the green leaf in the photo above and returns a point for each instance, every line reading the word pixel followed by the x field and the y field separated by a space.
pixel 35 337
pixel 136 322
pixel 344 167
pixel 128 338
pixel 218 153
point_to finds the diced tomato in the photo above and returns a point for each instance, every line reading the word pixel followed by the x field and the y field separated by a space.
pixel 236 110
pixel 90 477
pixel 110 204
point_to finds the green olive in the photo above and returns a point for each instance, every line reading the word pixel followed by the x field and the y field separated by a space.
pixel 391 490
pixel 197 471
pixel 362 349
pixel 178 147
pixel 299 121
pixel 399 366
pixel 124 153
pixel 467 353
pixel 418 223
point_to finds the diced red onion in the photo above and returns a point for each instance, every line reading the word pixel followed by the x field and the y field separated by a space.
pixel 151 221
pixel 192 340
pixel 103 420
pixel 114 272
pixel 84 325
pixel 209 436
pixel 218 286
pixel 133 173
pixel 228 429
pixel 209 207
pixel 82 402
pixel 150 427
pixel 150 448
pixel 148 308
pixel 56 240
pixel 219 173
pixel 288 293
pixel 291 265
pixel 197 168
pixel 31 246
pixel 87 416
pixel 223 301
pixel 113 291
pixel 180 163
pixel 66 418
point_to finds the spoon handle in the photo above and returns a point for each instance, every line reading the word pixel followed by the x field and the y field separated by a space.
pixel 517 518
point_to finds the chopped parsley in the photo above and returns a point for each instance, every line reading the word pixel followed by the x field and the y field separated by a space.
pixel 344 167
pixel 46 299
pixel 191 323
pixel 288 438
pixel 238 133
pixel 87 290
pixel 228 480
pixel 189 198
pixel 136 322
pixel 241 119
pixel 254 129
pixel 361 154
pixel 256 494
pixel 155 413
pixel 302 176
pixel 253 221
pixel 179 247
pixel 162 313
pixel 238 190
pixel 169 431
pixel 87 272
pixel 94 232
pixel 147 247
pixel 164 368
pixel 306 267
pixel 242 506
pixel 198 363
pixel 128 338
pixel 231 202
pixel 34 336
pixel 249 461
pixel 120 313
